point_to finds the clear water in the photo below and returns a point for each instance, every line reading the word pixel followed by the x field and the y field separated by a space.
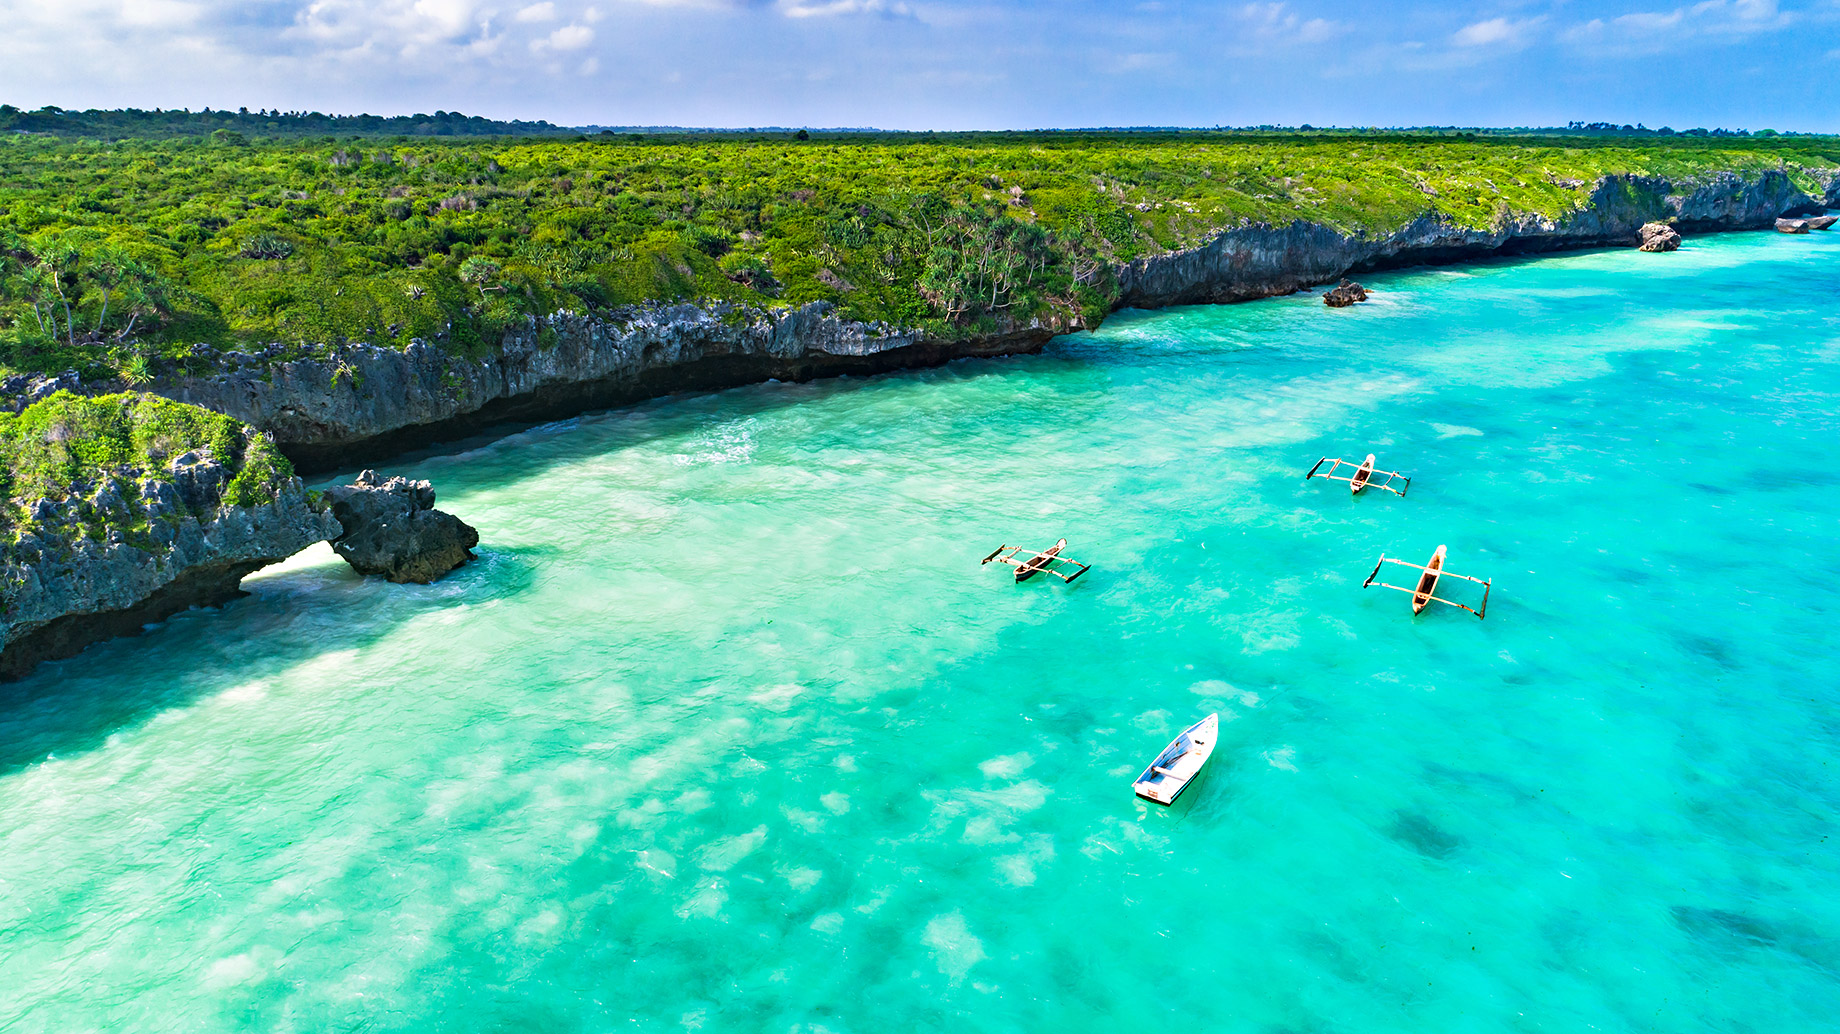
pixel 728 731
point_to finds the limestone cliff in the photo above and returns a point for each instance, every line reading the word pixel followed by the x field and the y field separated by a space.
pixel 363 401
pixel 135 541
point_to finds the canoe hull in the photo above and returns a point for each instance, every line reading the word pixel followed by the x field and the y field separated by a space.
pixel 1427 582
pixel 1361 476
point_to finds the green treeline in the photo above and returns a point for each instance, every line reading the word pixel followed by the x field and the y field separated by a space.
pixel 145 124
pixel 116 256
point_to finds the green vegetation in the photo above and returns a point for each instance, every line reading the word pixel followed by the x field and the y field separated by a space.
pixel 237 126
pixel 88 456
pixel 117 255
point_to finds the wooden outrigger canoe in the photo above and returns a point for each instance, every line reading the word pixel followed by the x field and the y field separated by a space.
pixel 1179 763
pixel 1425 591
pixel 1037 562
pixel 1364 476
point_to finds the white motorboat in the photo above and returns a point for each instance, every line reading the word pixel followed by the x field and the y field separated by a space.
pixel 1179 763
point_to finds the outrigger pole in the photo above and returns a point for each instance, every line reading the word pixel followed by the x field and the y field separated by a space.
pixel 1422 594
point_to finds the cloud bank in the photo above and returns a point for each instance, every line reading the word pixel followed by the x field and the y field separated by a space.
pixel 942 63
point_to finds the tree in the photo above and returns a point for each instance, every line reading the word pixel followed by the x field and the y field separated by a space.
pixel 480 272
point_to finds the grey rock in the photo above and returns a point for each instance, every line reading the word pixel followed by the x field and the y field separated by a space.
pixel 199 480
pixel 1344 294
pixel 390 527
pixel 1821 222
pixel 1659 237
pixel 1792 226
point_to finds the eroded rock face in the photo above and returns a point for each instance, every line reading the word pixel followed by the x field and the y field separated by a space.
pixel 1344 294
pixel 391 528
pixel 365 401
pixel 66 588
pixel 1821 222
pixel 1792 226
pixel 1659 237
pixel 1259 261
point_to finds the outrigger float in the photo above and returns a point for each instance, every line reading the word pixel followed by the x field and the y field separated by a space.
pixel 1362 477
pixel 1426 590
pixel 1038 561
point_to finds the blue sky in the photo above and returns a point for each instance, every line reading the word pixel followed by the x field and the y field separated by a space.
pixel 944 65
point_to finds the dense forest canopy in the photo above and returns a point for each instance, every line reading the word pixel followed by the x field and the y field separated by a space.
pixel 115 253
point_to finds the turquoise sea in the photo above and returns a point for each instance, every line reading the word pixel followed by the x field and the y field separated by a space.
pixel 727 729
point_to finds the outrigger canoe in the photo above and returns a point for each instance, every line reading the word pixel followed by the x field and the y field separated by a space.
pixel 1365 476
pixel 1029 563
pixel 1179 763
pixel 1424 592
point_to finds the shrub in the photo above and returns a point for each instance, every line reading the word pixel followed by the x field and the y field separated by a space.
pixel 266 246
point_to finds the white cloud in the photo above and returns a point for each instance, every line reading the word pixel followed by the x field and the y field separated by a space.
pixel 569 37
pixel 1497 32
pixel 543 12
pixel 1652 31
pixel 831 8
pixel 1275 23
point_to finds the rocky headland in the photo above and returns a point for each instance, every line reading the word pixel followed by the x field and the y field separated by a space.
pixel 168 506
pixel 184 505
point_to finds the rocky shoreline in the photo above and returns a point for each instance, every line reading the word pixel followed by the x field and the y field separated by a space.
pixel 362 404
pixel 355 404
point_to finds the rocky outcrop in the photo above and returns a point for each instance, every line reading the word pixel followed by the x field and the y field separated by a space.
pixel 1659 237
pixel 22 389
pixel 1816 222
pixel 362 402
pixel 1258 261
pixel 391 528
pixel 74 576
pixel 1344 294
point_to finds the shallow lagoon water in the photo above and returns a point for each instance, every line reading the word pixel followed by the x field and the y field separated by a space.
pixel 728 731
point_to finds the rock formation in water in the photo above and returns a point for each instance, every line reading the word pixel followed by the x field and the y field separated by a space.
pixel 360 402
pixel 1791 226
pixel 390 527
pixel 1659 237
pixel 129 543
pixel 1821 222
pixel 1344 294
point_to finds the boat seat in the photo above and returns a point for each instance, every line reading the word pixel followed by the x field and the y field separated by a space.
pixel 1160 770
